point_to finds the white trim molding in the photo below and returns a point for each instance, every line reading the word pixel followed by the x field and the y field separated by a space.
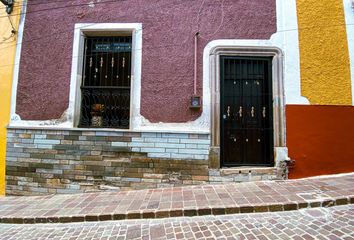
pixel 349 21
pixel 287 39
pixel 212 54
pixel 83 29
pixel 16 70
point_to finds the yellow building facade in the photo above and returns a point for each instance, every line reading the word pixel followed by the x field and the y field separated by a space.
pixel 324 57
pixel 8 43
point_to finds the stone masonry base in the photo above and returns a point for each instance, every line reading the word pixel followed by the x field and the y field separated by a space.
pixel 45 162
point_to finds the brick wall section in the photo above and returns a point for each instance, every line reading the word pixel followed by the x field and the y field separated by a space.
pixel 42 161
pixel 45 162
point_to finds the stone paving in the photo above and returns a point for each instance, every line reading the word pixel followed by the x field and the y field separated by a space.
pixel 265 196
pixel 317 223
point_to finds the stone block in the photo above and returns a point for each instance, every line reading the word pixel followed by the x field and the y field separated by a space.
pixel 132 134
pixel 45 146
pixel 71 137
pixel 91 158
pixel 41 165
pixel 170 145
pixel 175 135
pixel 53 171
pixel 108 134
pixel 88 133
pixel 83 143
pixel 204 136
pixel 18 146
pixel 246 209
pixel 18 155
pixel 159 155
pixel 119 139
pixel 201 157
pixel 182 156
pixel 200 178
pixel 193 151
pixel 171 150
pixel 153 150
pixel 116 149
pixel 154 175
pixel 28 184
pixel 203 146
pixel 148 135
pixel 46 141
pixel 137 139
pixel 141 144
pixel 127 179
pixel 119 144
pixel 55 137
pixel 190 145
pixel 150 180
pixel 156 140
pixel 25 135
pixel 40 136
pixel 195 141
pixel 83 138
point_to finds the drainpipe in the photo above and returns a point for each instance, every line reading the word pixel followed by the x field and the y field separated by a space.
pixel 195 100
pixel 195 61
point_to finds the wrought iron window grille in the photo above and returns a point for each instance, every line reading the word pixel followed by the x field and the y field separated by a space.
pixel 106 83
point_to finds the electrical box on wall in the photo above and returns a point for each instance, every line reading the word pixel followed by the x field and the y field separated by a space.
pixel 196 102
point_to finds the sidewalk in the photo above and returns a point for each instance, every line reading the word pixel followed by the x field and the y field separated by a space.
pixel 266 196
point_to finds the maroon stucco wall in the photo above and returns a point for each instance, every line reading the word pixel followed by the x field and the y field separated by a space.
pixel 168 48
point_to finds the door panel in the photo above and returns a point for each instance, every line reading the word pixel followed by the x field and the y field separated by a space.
pixel 246 111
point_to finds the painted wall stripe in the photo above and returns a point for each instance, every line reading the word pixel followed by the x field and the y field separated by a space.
pixel 349 20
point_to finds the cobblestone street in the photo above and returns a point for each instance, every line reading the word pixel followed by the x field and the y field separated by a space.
pixel 318 223
pixel 313 208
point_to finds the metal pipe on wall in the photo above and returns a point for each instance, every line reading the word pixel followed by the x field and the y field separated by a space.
pixel 195 61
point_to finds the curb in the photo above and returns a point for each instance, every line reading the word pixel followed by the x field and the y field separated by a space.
pixel 276 207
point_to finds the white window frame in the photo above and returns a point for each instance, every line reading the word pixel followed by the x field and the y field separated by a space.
pixel 97 29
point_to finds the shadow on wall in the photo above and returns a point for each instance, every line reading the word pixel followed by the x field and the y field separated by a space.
pixel 320 139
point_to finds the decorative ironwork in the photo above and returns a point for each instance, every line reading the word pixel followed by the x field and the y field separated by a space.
pixel 264 112
pixel 252 112
pixel 105 89
pixel 246 87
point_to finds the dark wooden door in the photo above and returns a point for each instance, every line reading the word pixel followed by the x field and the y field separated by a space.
pixel 246 111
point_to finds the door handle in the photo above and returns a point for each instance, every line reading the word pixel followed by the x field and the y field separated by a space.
pixel 228 111
pixel 264 112
pixel 240 112
pixel 252 111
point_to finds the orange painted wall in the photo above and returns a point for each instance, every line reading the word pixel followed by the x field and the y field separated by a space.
pixel 320 139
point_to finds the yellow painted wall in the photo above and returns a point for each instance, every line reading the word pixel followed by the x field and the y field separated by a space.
pixel 7 58
pixel 324 57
